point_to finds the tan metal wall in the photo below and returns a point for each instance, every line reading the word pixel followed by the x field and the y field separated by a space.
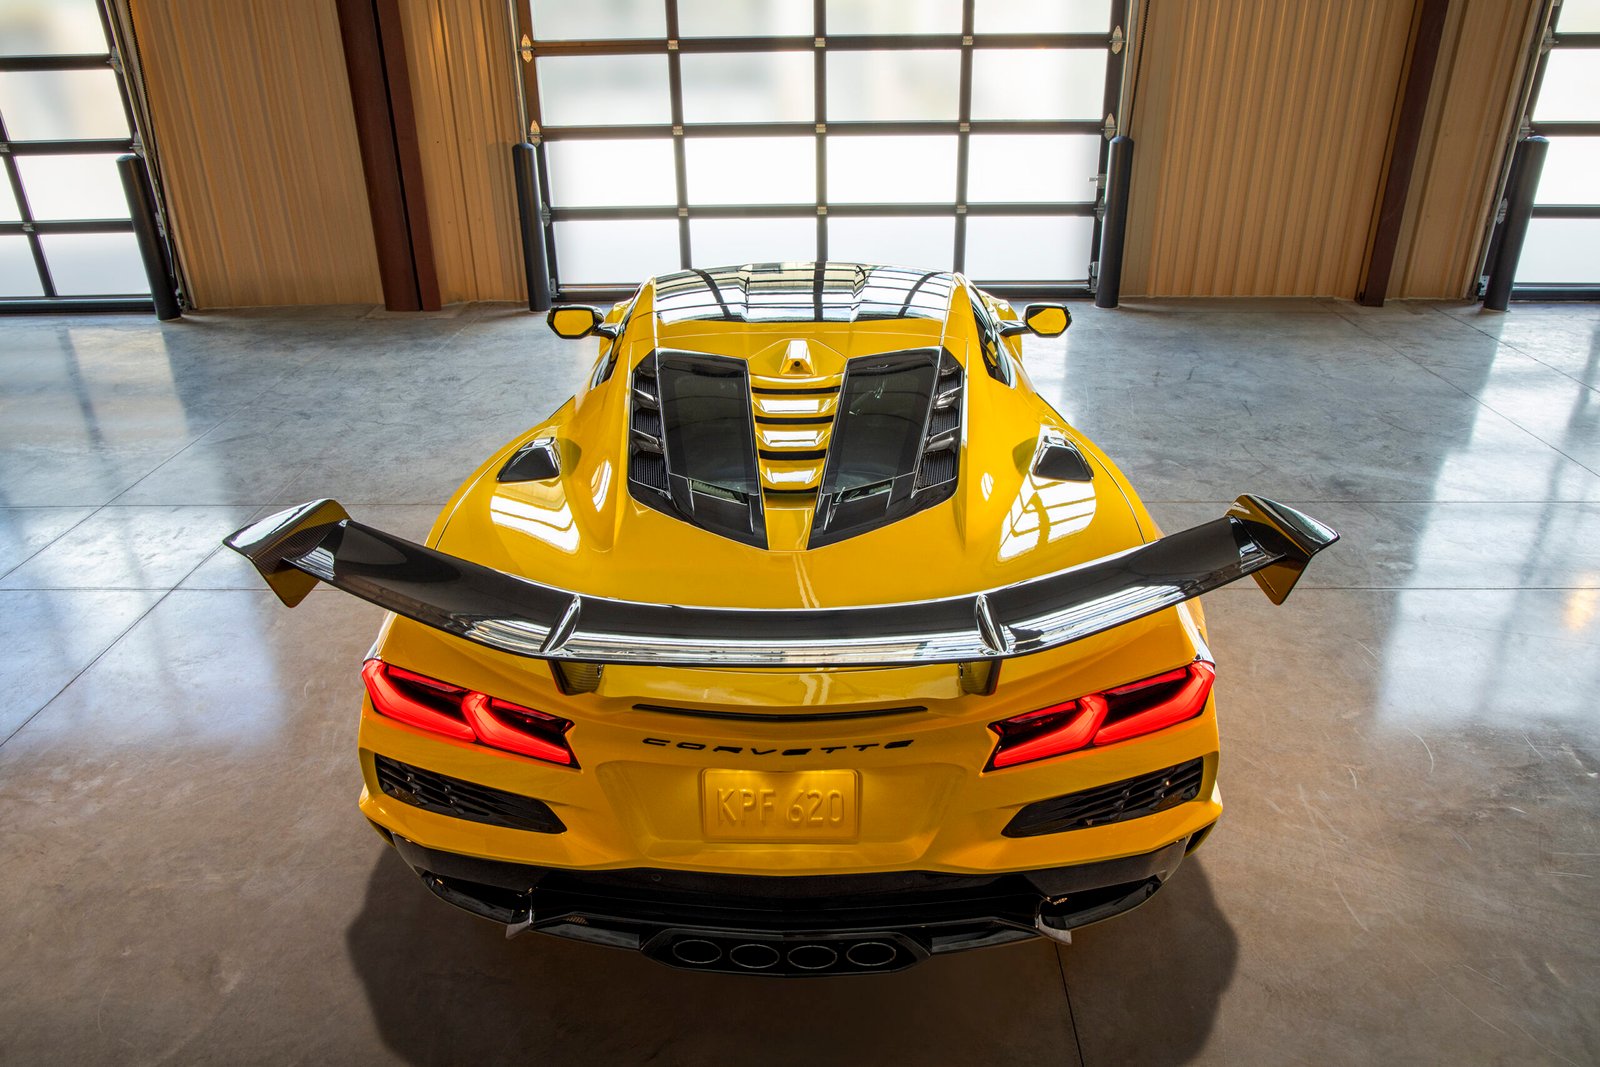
pixel 1470 117
pixel 462 83
pixel 251 109
pixel 1261 130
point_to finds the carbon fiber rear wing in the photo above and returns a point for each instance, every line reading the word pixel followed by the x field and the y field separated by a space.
pixel 318 541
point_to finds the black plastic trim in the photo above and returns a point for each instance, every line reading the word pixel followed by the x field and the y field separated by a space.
pixel 1131 798
pixel 923 912
pixel 461 799
pixel 803 716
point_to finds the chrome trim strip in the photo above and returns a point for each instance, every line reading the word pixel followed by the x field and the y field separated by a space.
pixel 1257 537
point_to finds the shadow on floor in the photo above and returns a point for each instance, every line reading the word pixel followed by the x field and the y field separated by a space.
pixel 445 987
pixel 1146 986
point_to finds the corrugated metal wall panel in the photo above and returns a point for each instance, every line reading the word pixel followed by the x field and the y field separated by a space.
pixel 252 110
pixel 1469 125
pixel 464 88
pixel 1261 129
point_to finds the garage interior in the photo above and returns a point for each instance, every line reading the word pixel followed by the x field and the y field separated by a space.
pixel 1317 207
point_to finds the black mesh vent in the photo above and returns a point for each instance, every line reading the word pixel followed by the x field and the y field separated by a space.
pixel 443 795
pixel 647 466
pixel 1116 802
pixel 650 469
pixel 937 467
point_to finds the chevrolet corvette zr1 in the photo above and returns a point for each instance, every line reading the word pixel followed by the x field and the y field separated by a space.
pixel 807 638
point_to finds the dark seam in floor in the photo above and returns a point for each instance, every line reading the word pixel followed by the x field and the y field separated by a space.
pixel 109 646
pixel 1072 1016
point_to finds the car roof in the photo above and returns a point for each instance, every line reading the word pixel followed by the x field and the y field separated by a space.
pixel 802 292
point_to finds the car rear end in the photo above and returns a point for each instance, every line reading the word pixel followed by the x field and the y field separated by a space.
pixel 835 821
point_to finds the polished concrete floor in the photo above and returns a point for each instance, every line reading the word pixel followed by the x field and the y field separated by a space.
pixel 1408 871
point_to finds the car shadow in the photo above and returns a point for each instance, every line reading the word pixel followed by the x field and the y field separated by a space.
pixel 448 988
pixel 1146 986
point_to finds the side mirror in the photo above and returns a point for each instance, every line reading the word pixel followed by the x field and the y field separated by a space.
pixel 577 321
pixel 1046 320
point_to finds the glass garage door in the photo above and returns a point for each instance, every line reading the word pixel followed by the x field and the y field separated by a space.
pixel 64 119
pixel 1564 235
pixel 963 134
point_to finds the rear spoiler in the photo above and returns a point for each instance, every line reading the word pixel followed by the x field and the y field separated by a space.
pixel 318 541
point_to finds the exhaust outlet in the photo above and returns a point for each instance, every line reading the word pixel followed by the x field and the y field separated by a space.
pixel 812 957
pixel 753 956
pixel 870 954
pixel 695 951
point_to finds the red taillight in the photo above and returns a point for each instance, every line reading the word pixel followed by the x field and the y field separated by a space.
pixel 534 733
pixel 1159 702
pixel 415 700
pixel 464 715
pixel 1104 718
pixel 1048 732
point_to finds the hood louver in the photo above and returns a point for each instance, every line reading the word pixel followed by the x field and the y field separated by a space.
pixel 895 443
pixel 691 443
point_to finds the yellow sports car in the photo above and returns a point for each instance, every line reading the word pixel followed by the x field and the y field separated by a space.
pixel 807 639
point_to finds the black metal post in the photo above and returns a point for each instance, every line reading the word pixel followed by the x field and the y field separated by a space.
pixel 1119 171
pixel 535 258
pixel 1526 167
pixel 142 208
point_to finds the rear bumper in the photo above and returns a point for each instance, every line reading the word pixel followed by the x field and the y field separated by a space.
pixel 798 925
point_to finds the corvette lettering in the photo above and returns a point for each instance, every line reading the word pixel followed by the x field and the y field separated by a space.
pixel 735 750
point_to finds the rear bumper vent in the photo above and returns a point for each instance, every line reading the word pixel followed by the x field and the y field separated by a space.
pixel 443 795
pixel 1130 798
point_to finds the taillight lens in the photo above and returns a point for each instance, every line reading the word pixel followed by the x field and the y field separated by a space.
pixel 1104 718
pixel 465 715
pixel 518 729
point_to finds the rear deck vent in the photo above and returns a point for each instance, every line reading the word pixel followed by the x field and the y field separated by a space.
pixel 691 443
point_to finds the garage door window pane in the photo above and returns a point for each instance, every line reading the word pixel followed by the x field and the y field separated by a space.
pixel 1579 16
pixel 18 276
pixel 93 264
pixel 730 242
pixel 888 170
pixel 1560 252
pixel 1571 87
pixel 1032 168
pixel 927 243
pixel 1571 172
pixel 744 18
pixel 1013 249
pixel 8 203
pixel 615 253
pixel 1057 83
pixel 50 27
pixel 604 90
pixel 895 16
pixel 749 87
pixel 611 173
pixel 61 105
pixel 563 20
pixel 1042 16
pixel 893 86
pixel 73 187
pixel 751 170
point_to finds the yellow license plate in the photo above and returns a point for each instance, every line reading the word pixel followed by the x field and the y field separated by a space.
pixel 779 805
